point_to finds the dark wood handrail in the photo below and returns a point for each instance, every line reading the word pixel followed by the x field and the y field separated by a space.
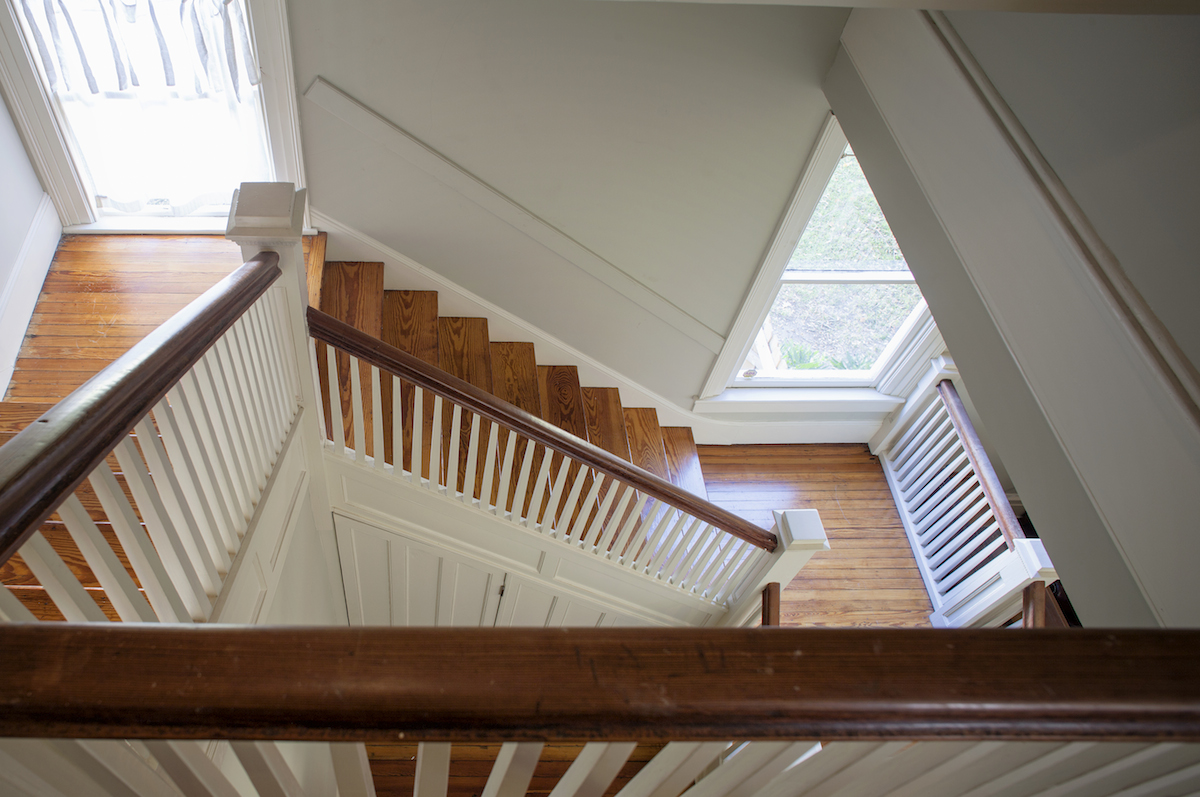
pixel 457 684
pixel 993 490
pixel 46 461
pixel 372 350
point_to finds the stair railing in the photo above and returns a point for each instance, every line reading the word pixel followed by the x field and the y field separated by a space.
pixel 210 398
pixel 481 451
pixel 970 549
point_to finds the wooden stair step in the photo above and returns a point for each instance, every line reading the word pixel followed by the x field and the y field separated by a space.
pixel 683 460
pixel 646 447
pixel 606 429
pixel 515 380
pixel 562 405
pixel 351 292
pixel 314 266
pixel 465 351
pixel 410 323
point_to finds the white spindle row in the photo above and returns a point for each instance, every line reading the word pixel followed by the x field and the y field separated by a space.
pixel 969 570
pixel 187 486
pixel 484 465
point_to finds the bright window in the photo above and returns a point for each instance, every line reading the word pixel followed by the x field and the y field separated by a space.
pixel 160 101
pixel 846 296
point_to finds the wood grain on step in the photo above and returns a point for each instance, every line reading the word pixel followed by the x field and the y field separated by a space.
pixel 351 292
pixel 646 441
pixel 606 428
pixel 465 351
pixel 562 405
pixel 683 461
pixel 515 380
pixel 314 267
pixel 410 323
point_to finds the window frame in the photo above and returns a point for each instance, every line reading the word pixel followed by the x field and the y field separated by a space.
pixel 903 352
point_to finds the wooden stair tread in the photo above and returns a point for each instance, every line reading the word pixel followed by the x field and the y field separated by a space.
pixel 515 380
pixel 351 292
pixel 606 420
pixel 465 351
pixel 515 375
pixel 562 405
pixel 646 441
pixel 314 266
pixel 410 323
pixel 683 460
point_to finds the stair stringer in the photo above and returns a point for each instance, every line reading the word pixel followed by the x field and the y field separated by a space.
pixel 402 512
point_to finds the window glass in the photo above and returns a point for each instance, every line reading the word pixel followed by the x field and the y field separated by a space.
pixel 847 231
pixel 161 99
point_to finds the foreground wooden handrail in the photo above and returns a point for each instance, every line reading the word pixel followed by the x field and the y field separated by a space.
pixel 993 490
pixel 155 681
pixel 371 350
pixel 50 458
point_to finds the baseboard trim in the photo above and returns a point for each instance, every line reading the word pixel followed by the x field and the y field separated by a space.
pixel 24 285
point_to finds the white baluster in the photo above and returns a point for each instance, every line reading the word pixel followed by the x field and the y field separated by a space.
pixel 166 541
pixel 585 510
pixel 251 371
pixel 201 551
pixel 688 545
pixel 640 556
pixel 377 419
pixel 397 427
pixel 11 608
pixel 187 764
pixel 489 468
pixel 667 543
pixel 642 522
pixel 452 452
pixel 696 559
pixel 356 409
pixel 725 544
pixel 504 489
pixel 143 558
pixel 519 496
pixel 468 491
pixel 227 360
pixel 539 490
pixel 59 582
pixel 550 519
pixel 217 417
pixel 232 413
pixel 130 604
pixel 335 404
pixel 269 373
pixel 725 581
pixel 312 357
pixel 572 513
pixel 220 543
pixel 268 771
pixel 215 479
pixel 418 430
pixel 435 446
pixel 603 548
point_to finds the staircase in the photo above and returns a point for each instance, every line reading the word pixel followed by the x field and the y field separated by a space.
pixel 577 500
pixel 408 320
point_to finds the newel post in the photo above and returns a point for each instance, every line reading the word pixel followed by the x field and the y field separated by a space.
pixel 270 217
pixel 801 534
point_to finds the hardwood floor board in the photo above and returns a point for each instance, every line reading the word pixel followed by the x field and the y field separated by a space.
pixel 605 428
pixel 39 603
pixel 869 577
pixel 314 266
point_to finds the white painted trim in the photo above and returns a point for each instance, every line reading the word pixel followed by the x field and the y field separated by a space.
pixel 35 120
pixel 822 160
pixel 788 399
pixel 269 29
pixel 799 277
pixel 347 243
pixel 453 176
pixel 24 285
pixel 1177 374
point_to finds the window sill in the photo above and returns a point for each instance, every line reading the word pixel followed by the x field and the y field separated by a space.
pixel 803 401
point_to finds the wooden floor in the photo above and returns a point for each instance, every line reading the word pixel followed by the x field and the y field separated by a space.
pixel 868 577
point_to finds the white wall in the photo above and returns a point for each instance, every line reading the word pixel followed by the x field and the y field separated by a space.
pixel 1067 405
pixel 29 233
pixel 1112 103
pixel 664 138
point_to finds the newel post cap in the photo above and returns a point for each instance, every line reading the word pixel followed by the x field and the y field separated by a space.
pixel 266 212
pixel 800 530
